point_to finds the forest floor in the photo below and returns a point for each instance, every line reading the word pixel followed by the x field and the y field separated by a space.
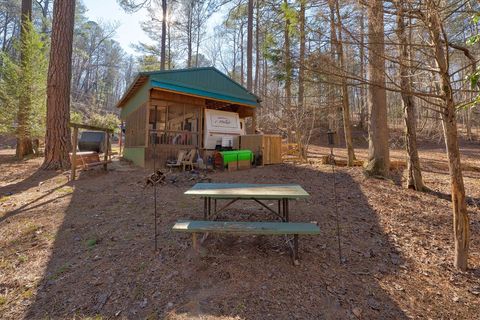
pixel 85 248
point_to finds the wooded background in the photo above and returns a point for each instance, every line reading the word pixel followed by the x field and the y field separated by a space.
pixel 373 67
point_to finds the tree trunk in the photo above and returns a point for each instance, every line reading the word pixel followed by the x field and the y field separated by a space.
pixel 250 46
pixel 24 139
pixel 163 50
pixel 57 139
pixel 242 55
pixel 347 126
pixel 288 73
pixel 378 151
pixel 301 58
pixel 257 47
pixel 461 224
pixel 333 110
pixel 363 103
pixel 414 173
pixel 300 131
pixel 189 36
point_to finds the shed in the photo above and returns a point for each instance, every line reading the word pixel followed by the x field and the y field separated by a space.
pixel 181 98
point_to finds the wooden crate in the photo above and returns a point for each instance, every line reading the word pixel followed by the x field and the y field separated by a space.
pixel 239 165
pixel 270 146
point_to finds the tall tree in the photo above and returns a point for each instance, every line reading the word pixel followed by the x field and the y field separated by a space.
pixel 347 126
pixel 250 45
pixel 414 173
pixel 24 139
pixel 378 139
pixel 164 35
pixel 287 63
pixel 461 223
pixel 135 5
pixel 57 140
pixel 301 55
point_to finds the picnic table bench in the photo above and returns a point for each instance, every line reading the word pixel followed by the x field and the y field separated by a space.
pixel 249 228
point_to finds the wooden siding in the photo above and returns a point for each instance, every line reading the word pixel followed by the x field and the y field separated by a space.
pixel 160 95
pixel 136 127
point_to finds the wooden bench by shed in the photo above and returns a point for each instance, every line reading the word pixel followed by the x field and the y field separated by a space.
pixel 249 228
pixel 88 159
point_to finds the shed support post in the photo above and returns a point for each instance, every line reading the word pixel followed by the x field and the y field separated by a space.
pixel 105 151
pixel 120 139
pixel 74 153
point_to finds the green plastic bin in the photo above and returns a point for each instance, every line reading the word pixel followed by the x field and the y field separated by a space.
pixel 235 155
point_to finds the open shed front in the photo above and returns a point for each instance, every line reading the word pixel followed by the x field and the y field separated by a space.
pixel 180 125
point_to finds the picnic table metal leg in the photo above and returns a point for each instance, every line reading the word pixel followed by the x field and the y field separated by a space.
pixel 280 209
pixel 209 207
pixel 287 212
pixel 284 210
pixel 205 208
pixel 215 206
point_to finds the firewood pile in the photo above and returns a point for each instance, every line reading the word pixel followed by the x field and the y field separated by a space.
pixel 161 178
pixel 155 178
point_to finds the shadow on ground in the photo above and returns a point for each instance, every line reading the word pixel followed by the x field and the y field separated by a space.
pixel 103 261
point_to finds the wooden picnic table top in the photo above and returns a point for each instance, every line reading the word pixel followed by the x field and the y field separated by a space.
pixel 248 190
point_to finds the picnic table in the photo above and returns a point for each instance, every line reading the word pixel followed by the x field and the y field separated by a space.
pixel 247 191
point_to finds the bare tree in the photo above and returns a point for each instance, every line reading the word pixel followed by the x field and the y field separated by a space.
pixel 347 126
pixel 461 224
pixel 378 149
pixel 414 173
pixel 250 45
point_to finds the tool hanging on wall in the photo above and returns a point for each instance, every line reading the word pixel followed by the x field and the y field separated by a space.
pixel 331 143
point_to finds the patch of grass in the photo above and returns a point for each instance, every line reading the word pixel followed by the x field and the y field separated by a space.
pixel 3 300
pixel 97 317
pixel 5 264
pixel 27 294
pixel 49 235
pixel 59 180
pixel 62 270
pixel 4 199
pixel 65 190
pixel 240 307
pixel 31 228
pixel 22 258
pixel 91 243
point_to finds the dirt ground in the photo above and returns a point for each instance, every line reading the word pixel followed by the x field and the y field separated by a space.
pixel 85 249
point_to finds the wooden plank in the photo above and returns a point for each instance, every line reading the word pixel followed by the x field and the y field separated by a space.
pixel 270 146
pixel 157 94
pixel 261 228
pixel 92 164
pixel 87 127
pixel 81 160
pixel 247 191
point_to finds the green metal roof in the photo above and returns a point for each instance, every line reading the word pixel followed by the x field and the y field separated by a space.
pixel 207 82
